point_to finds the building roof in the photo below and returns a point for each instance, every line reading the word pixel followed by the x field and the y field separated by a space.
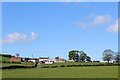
pixel 13 58
pixel 44 58
pixel 33 59
pixel 60 59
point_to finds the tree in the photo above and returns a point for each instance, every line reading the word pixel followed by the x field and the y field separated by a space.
pixel 108 55
pixel 73 55
pixel 88 59
pixel 57 57
pixel 83 56
pixel 6 55
pixel 117 57
pixel 17 54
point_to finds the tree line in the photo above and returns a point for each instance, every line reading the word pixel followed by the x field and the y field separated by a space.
pixel 109 55
pixel 81 56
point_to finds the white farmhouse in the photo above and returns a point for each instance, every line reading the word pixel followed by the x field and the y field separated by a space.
pixel 43 59
pixel 46 60
pixel 33 60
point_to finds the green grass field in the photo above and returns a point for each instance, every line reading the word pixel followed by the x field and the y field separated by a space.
pixel 4 59
pixel 13 64
pixel 22 64
pixel 66 72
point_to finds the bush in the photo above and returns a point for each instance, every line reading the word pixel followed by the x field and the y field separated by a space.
pixel 62 65
pixel 3 61
pixel 7 62
pixel 54 66
pixel 6 55
pixel 45 66
pixel 17 62
pixel 80 65
pixel 11 62
pixel 96 61
pixel 69 66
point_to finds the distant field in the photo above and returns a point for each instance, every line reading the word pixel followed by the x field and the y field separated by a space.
pixel 66 72
pixel 22 64
pixel 4 58
pixel 13 64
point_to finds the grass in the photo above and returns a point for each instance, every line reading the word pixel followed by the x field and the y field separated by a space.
pixel 22 64
pixel 4 59
pixel 13 64
pixel 66 72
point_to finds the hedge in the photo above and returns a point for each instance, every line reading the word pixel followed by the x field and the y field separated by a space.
pixel 10 62
pixel 79 65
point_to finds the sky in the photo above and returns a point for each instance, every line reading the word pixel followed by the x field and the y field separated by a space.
pixel 60 0
pixel 53 29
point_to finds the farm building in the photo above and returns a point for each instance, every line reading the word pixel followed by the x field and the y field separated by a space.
pixel 70 61
pixel 43 59
pixel 46 60
pixel 16 59
pixel 33 60
pixel 59 60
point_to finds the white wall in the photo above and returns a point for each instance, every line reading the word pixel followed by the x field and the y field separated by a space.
pixel 43 60
pixel 49 62
pixel 31 60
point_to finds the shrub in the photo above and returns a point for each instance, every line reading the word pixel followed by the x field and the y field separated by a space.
pixel 54 66
pixel 7 62
pixel 6 55
pixel 11 62
pixel 62 65
pixel 45 66
pixel 3 61
pixel 17 62
pixel 69 66
pixel 96 61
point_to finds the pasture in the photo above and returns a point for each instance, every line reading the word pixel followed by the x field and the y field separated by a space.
pixel 63 72
pixel 4 59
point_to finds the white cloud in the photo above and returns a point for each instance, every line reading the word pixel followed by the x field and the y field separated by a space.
pixel 33 35
pixel 101 19
pixel 113 27
pixel 17 37
pixel 94 21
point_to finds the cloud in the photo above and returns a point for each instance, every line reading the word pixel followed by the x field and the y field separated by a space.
pixel 33 36
pixel 113 27
pixel 17 37
pixel 101 19
pixel 94 21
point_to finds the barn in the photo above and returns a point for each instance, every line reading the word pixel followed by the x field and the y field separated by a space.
pixel 16 59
